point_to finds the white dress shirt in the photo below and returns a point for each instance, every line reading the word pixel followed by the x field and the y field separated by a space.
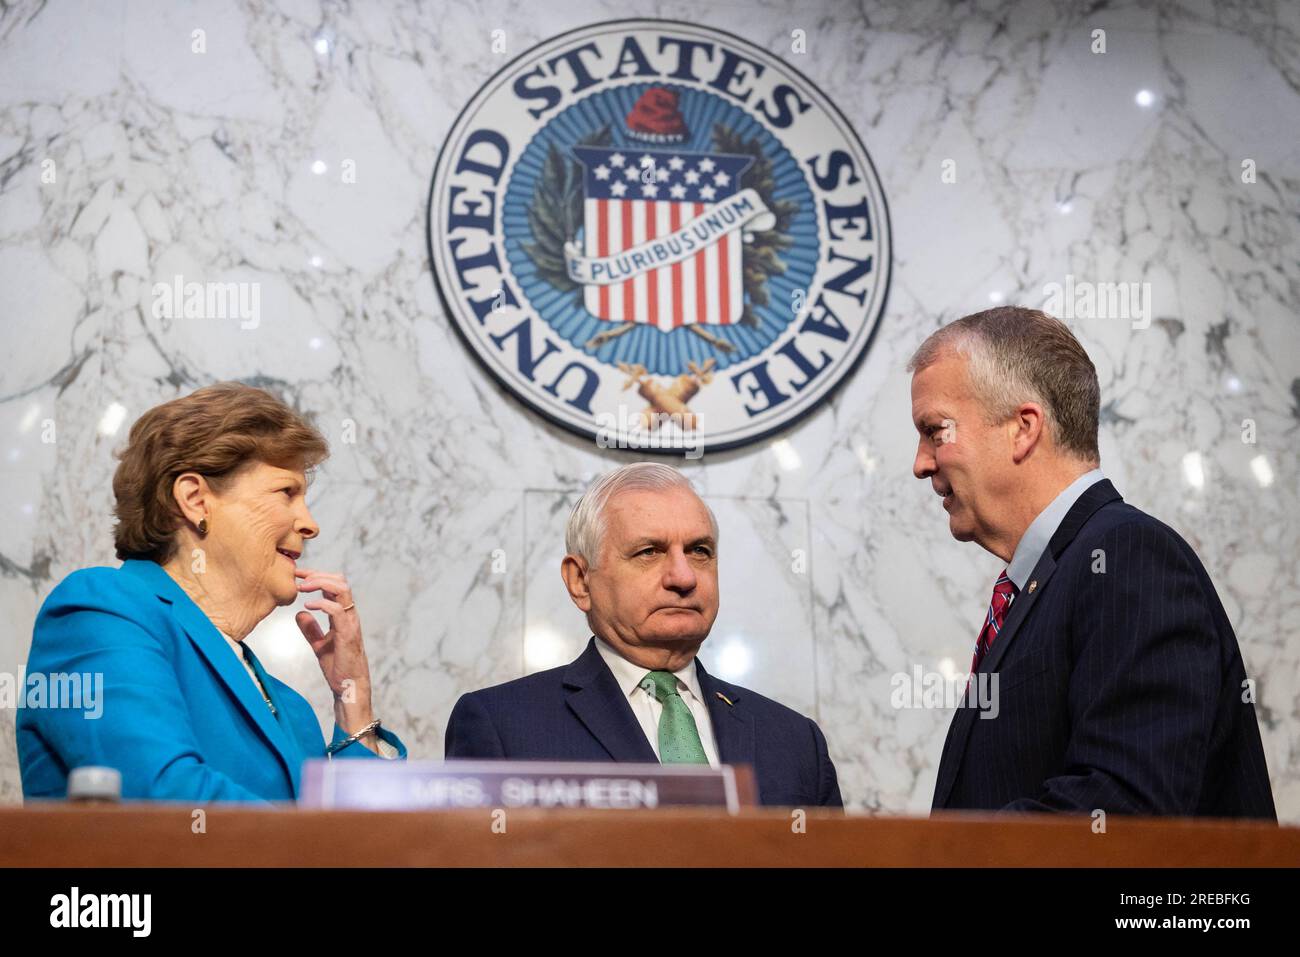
pixel 646 706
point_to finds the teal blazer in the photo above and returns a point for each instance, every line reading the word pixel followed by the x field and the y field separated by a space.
pixel 177 713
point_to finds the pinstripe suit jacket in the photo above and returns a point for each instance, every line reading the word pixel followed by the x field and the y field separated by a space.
pixel 1120 684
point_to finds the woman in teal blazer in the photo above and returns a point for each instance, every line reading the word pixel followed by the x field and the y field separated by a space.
pixel 212 519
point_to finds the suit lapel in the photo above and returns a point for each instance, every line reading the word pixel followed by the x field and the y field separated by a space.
pixel 595 698
pixel 271 684
pixel 1019 611
pixel 1093 498
pixel 733 728
pixel 204 636
pixel 954 746
pixel 283 718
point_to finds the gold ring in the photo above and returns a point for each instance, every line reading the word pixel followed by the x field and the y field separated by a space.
pixel 350 607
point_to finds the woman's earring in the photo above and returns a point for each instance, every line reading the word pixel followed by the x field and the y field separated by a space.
pixel 203 525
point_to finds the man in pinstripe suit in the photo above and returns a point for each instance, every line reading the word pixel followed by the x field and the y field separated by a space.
pixel 1120 684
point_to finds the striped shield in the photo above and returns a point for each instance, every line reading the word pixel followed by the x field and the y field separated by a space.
pixel 633 196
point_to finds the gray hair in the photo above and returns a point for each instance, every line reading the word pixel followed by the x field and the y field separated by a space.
pixel 1016 355
pixel 586 527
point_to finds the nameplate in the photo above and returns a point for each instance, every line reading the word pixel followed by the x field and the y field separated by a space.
pixel 421 785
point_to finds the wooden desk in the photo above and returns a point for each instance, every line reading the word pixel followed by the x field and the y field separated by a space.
pixel 162 836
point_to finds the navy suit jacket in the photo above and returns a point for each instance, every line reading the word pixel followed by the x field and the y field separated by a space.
pixel 1121 685
pixel 579 713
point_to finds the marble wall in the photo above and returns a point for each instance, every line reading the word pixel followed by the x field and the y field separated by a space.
pixel 447 509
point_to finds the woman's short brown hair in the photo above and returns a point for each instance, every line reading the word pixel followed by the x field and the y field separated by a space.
pixel 215 431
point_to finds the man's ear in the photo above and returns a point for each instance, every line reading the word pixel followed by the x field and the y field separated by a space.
pixel 574 572
pixel 1027 427
pixel 192 494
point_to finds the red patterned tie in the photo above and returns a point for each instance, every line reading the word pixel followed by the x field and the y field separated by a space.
pixel 1003 591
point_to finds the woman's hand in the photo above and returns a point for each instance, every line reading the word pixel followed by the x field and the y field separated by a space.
pixel 340 652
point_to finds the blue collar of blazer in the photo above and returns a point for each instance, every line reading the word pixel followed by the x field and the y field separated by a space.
pixel 205 637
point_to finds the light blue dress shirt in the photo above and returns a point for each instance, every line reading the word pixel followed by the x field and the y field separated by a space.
pixel 1040 531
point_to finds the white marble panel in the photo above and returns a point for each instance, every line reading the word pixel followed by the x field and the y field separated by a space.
pixel 229 165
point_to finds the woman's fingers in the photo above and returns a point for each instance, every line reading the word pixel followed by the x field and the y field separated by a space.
pixel 330 589
pixel 335 601
pixel 331 583
pixel 313 573
pixel 330 577
pixel 329 606
pixel 344 622
pixel 310 629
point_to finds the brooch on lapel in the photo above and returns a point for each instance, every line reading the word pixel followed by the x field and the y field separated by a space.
pixel 730 703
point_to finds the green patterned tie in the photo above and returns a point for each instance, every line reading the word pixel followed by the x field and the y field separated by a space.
pixel 679 740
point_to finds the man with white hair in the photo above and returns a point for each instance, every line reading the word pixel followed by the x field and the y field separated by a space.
pixel 642 564
pixel 1121 687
